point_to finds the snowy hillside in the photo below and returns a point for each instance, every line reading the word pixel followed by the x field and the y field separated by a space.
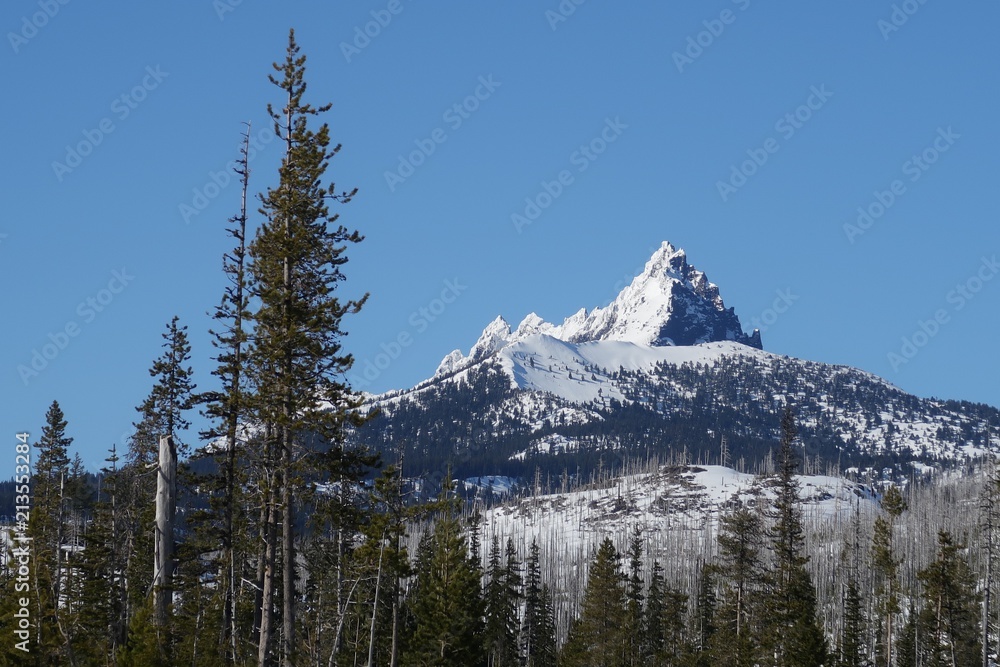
pixel 674 498
pixel 675 509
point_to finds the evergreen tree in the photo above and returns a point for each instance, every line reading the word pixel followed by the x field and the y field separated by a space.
pixel 907 648
pixel 597 638
pixel 161 413
pixel 46 528
pixel 173 392
pixel 537 630
pixel 297 365
pixel 448 607
pixel 102 568
pixel 885 565
pixel 654 617
pixel 705 617
pixel 384 560
pixel 675 609
pixel 133 523
pixel 227 522
pixel 502 593
pixel 635 639
pixel 171 397
pixel 852 633
pixel 949 622
pixel 741 537
pixel 663 622
pixel 794 635
pixel 546 653
pixel 196 621
pixel 344 567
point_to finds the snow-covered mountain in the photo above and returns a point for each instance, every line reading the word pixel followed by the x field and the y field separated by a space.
pixel 664 370
pixel 669 303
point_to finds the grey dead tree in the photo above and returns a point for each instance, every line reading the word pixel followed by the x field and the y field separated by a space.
pixel 166 507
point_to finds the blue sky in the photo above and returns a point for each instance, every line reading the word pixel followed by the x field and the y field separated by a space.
pixel 746 133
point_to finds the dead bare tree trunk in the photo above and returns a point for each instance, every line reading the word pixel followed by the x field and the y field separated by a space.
pixel 166 503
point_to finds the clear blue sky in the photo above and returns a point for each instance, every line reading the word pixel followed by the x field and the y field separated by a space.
pixel 681 116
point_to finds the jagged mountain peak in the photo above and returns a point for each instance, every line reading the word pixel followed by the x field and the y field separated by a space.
pixel 494 337
pixel 669 303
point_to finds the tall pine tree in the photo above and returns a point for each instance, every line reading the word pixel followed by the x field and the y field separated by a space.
pixel 597 638
pixel 885 566
pixel 949 622
pixel 795 636
pixel 538 641
pixel 741 544
pixel 447 605
pixel 635 638
pixel 47 530
pixel 227 406
pixel 297 364
pixel 502 596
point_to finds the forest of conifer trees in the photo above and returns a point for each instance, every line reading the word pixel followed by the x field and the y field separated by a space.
pixel 287 546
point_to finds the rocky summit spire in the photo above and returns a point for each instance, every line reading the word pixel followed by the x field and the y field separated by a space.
pixel 669 303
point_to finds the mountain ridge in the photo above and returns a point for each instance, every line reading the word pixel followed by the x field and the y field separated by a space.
pixel 669 303
pixel 609 385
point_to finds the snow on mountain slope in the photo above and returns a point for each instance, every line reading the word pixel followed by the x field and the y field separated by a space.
pixel 669 303
pixel 580 373
pixel 576 372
